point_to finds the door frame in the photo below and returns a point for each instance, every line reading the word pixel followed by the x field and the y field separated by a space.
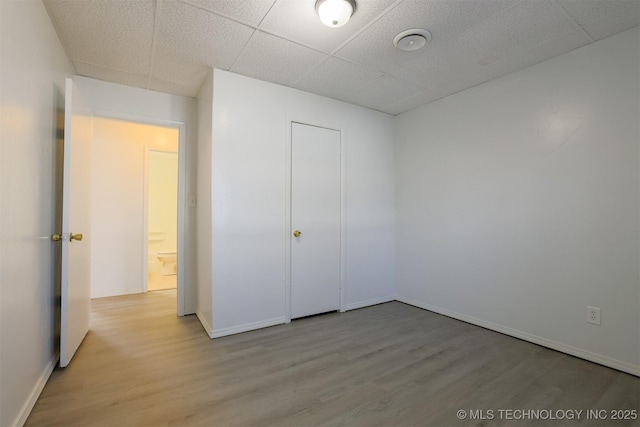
pixel 288 226
pixel 182 193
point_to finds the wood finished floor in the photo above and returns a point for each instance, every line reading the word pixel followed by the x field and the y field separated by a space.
pixel 386 365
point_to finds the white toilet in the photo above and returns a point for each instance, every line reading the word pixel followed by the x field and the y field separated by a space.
pixel 169 262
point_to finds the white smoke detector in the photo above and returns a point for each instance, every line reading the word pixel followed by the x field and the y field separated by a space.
pixel 411 40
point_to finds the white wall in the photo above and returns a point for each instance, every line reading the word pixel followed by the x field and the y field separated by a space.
pixel 250 122
pixel 33 66
pixel 145 106
pixel 117 220
pixel 203 216
pixel 518 203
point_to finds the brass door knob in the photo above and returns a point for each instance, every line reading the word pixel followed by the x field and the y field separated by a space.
pixel 297 233
pixel 56 237
pixel 77 237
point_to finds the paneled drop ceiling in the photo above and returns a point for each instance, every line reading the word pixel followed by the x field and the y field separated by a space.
pixel 170 45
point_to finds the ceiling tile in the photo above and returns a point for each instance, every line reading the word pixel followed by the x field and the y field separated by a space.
pixel 528 24
pixel 113 34
pixel 185 75
pixel 277 60
pixel 458 61
pixel 297 20
pixel 111 75
pixel 412 102
pixel 187 34
pixel 461 78
pixel 516 29
pixel 444 19
pixel 550 49
pixel 427 67
pixel 180 72
pixel 622 19
pixel 587 12
pixel 190 88
pixel 382 92
pixel 250 12
pixel 336 78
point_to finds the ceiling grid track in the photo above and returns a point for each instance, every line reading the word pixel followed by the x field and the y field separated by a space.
pixel 365 27
pixel 569 18
pixel 333 53
pixel 222 15
pixel 244 47
pixel 154 39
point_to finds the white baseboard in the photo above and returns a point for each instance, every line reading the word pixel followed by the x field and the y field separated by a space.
pixel 367 303
pixel 555 345
pixel 247 327
pixel 35 392
pixel 118 294
pixel 205 324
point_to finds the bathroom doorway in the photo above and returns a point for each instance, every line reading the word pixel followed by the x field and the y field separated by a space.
pixel 161 217
pixel 122 247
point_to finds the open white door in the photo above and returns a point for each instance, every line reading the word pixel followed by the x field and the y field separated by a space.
pixel 76 221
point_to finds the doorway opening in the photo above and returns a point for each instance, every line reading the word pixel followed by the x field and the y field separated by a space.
pixel 136 231
pixel 161 210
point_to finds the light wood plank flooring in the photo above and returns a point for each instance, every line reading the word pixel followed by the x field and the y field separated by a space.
pixel 386 365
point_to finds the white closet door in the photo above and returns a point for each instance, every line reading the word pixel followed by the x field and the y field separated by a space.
pixel 315 220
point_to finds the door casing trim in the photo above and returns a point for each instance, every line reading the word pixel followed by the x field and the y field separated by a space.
pixel 182 192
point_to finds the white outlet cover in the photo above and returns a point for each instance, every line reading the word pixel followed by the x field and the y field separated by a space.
pixel 593 315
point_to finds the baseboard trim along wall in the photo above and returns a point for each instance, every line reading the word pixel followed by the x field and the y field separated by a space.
pixel 555 345
pixel 116 294
pixel 35 392
pixel 573 351
pixel 217 333
pixel 369 302
pixel 207 327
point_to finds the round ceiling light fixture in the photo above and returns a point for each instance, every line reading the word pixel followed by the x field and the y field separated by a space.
pixel 335 13
pixel 411 40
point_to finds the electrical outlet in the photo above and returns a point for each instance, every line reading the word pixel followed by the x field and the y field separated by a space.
pixel 593 315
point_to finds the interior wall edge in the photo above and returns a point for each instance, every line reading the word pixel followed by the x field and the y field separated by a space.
pixel 218 333
pixel 203 220
pixel 370 302
pixel 115 294
pixel 26 409
pixel 205 323
pixel 554 345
